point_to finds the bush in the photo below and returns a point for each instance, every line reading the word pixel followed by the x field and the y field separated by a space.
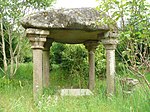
pixel 100 62
pixel 73 59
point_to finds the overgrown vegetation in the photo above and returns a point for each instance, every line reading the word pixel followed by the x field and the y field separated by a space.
pixel 69 63
pixel 16 95
pixel 73 60
pixel 133 18
pixel 14 48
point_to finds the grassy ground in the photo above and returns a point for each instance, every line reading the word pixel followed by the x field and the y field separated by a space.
pixel 16 96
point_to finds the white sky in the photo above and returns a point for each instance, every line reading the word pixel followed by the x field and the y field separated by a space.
pixel 75 3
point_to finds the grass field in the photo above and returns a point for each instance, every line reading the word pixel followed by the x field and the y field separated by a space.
pixel 16 96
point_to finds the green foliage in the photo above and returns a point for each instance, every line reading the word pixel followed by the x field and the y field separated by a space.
pixel 73 59
pixel 24 72
pixel 100 62
pixel 148 76
pixel 16 46
pixel 23 76
pixel 56 53
pixel 16 98
pixel 132 17
pixel 39 3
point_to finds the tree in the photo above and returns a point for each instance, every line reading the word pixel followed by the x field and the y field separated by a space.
pixel 133 19
pixel 3 46
pixel 11 30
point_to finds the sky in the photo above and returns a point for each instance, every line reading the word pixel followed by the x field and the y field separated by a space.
pixel 75 3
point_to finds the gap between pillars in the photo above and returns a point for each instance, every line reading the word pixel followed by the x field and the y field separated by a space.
pixel 91 47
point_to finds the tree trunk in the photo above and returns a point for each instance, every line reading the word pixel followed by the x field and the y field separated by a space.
pixel 11 54
pixel 3 47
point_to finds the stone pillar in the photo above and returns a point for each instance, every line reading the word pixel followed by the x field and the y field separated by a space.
pixel 110 43
pixel 37 38
pixel 46 64
pixel 91 46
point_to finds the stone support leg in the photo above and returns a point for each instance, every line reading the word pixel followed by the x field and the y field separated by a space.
pixel 37 38
pixel 91 46
pixel 37 73
pixel 37 47
pixel 46 67
pixel 91 70
pixel 110 45
pixel 110 71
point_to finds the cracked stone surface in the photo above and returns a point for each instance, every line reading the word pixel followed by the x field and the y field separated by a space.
pixel 75 18
pixel 72 26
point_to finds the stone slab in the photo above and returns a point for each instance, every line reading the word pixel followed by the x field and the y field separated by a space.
pixel 75 92
pixel 73 18
pixel 72 26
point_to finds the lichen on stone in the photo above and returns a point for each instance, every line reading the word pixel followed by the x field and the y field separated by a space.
pixel 75 18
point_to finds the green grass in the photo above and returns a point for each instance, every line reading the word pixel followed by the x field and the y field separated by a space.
pixel 148 76
pixel 16 96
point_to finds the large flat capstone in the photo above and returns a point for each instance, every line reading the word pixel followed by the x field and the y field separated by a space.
pixel 74 25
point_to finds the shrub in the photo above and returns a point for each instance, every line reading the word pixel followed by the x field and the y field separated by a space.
pixel 73 59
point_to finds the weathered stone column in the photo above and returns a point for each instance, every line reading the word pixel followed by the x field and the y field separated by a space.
pixel 110 43
pixel 46 66
pixel 37 38
pixel 91 46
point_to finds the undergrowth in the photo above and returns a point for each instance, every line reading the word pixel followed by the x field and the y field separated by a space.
pixel 16 96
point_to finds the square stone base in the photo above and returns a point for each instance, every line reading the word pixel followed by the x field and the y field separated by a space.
pixel 75 92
